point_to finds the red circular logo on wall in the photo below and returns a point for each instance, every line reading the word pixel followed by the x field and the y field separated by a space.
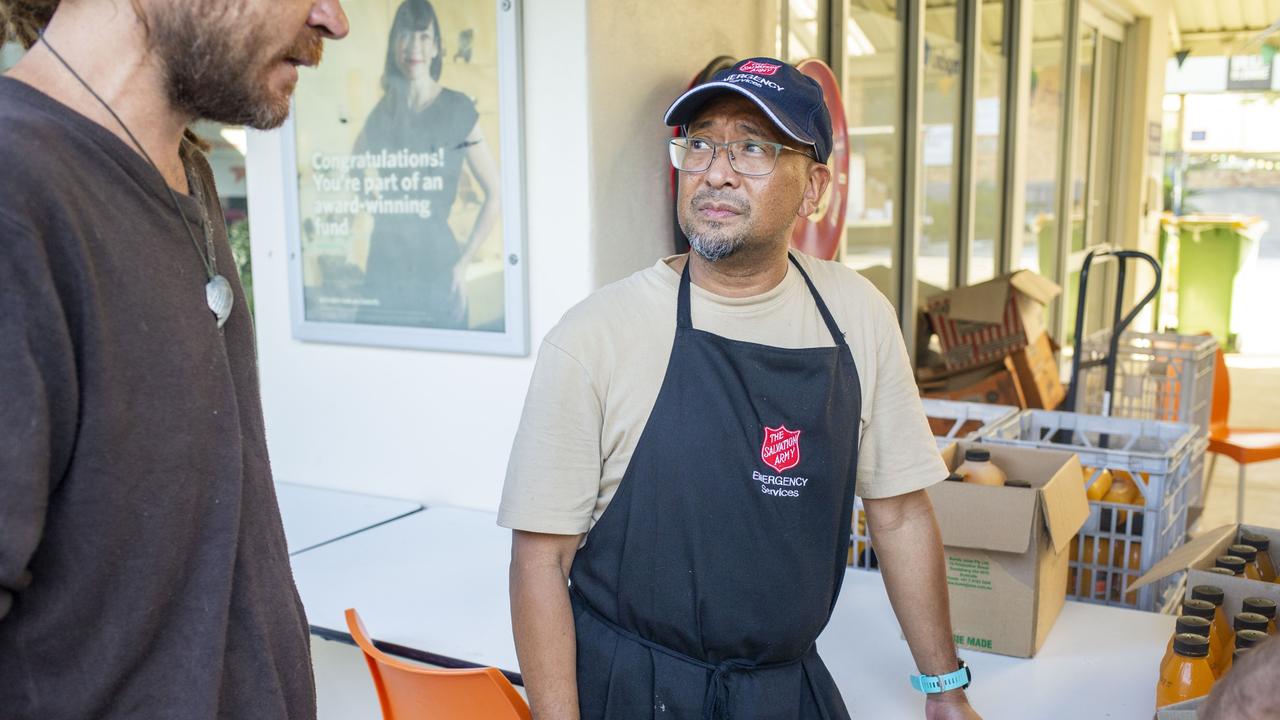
pixel 820 235
pixel 781 448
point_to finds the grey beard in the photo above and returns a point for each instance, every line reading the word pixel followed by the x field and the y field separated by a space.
pixel 713 249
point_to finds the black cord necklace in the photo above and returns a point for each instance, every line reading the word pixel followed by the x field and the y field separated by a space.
pixel 217 291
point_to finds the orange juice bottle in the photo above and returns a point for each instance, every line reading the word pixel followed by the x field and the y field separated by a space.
pixel 1100 486
pixel 1186 624
pixel 1264 607
pixel 1249 554
pixel 1220 637
pixel 1245 639
pixel 1133 562
pixel 1233 563
pixel 1092 588
pixel 977 468
pixel 1249 621
pixel 1123 490
pixel 1266 565
pixel 1187 674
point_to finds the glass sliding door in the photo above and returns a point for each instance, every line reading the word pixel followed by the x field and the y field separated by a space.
pixel 873 97
pixel 988 138
pixel 1094 168
pixel 1045 115
pixel 938 178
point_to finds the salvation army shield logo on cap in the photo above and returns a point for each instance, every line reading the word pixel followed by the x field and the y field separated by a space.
pixel 755 67
pixel 781 448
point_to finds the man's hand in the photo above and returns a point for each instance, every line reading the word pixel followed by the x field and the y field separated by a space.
pixel 951 705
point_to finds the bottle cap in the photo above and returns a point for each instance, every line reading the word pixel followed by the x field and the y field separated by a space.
pixel 1248 552
pixel 1248 638
pixel 1194 625
pixel 1199 608
pixel 1234 563
pixel 977 455
pixel 1212 593
pixel 1190 645
pixel 1259 541
pixel 1249 621
pixel 1218 570
pixel 1265 607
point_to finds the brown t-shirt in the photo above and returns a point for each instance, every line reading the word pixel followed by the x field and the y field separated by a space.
pixel 143 567
pixel 600 369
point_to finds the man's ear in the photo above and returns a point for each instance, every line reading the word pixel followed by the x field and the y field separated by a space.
pixel 819 176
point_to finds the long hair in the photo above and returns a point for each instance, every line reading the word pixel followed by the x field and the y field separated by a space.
pixel 411 16
pixel 23 20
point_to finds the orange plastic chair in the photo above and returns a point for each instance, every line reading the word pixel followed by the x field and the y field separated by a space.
pixel 412 692
pixel 1244 445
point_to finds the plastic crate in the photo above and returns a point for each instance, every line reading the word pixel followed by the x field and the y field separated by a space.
pixel 1119 542
pixel 1158 377
pixel 861 554
pixel 952 420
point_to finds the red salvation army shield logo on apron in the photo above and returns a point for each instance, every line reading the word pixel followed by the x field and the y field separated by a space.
pixel 781 448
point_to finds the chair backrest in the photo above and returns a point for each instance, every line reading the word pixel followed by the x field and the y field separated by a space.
pixel 1221 396
pixel 412 692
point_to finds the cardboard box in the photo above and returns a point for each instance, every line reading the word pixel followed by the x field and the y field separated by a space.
pixel 982 323
pixel 997 385
pixel 1006 547
pixel 1036 367
pixel 885 279
pixel 1197 556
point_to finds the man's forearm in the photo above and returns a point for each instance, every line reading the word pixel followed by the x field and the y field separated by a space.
pixel 909 548
pixel 542 620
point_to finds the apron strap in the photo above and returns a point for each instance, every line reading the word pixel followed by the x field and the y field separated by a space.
pixel 684 317
pixel 832 327
pixel 715 700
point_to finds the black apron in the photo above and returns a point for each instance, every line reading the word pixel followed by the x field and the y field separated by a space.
pixel 701 590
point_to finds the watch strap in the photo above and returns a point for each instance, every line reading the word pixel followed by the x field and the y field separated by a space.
pixel 931 684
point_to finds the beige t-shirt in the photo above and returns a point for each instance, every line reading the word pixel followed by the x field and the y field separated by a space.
pixel 600 369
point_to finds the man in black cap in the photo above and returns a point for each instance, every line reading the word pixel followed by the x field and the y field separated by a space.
pixel 683 479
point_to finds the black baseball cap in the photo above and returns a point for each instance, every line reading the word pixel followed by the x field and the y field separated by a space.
pixel 791 99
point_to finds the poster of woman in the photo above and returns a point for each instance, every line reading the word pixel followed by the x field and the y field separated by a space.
pixel 401 191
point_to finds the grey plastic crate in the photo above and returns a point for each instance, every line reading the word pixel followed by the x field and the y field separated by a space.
pixel 1119 542
pixel 962 415
pixel 1158 377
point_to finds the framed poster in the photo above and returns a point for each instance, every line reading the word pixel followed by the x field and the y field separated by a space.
pixel 406 225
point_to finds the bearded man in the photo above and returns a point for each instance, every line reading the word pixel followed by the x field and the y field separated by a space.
pixel 143 566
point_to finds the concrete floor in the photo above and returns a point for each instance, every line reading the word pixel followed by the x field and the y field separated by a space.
pixel 1255 402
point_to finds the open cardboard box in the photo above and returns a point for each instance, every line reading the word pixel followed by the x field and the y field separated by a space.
pixel 1006 547
pixel 979 324
pixel 1197 556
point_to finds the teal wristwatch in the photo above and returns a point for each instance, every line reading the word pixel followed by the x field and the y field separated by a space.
pixel 930 684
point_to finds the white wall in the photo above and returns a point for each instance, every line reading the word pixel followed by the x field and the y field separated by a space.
pixel 641 60
pixel 437 427
pixel 432 426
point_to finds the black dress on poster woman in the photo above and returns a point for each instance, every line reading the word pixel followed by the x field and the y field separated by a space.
pixel 416 265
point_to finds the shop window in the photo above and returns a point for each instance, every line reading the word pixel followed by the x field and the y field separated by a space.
pixel 873 87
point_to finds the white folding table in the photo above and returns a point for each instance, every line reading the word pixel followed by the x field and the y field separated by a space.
pixel 314 516
pixel 433 586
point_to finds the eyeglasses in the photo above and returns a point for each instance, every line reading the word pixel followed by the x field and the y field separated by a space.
pixel 746 157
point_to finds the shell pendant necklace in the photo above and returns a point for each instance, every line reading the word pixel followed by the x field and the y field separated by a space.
pixel 217 291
